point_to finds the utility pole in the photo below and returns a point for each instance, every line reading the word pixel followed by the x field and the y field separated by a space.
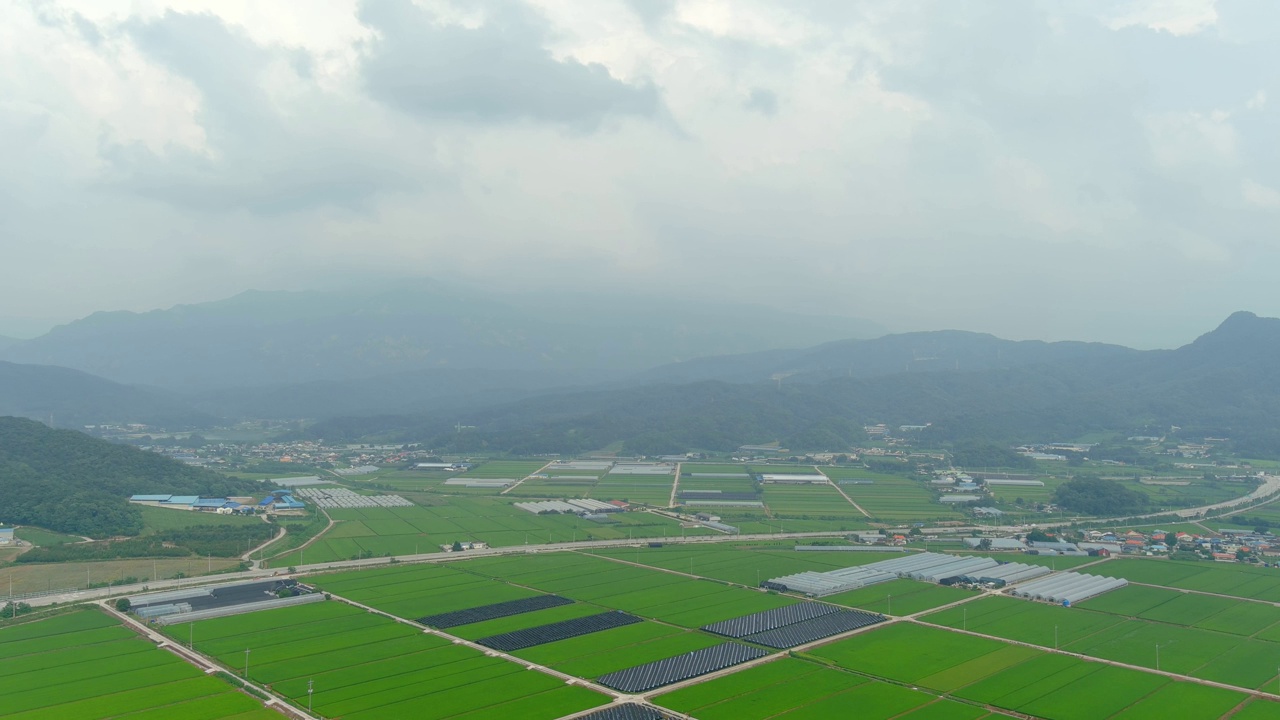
pixel 889 599
pixel 1157 657
pixel 1055 642
pixel 310 690
pixel 246 666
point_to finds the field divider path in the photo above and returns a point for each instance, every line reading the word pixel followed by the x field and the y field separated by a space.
pixel 840 490
pixel 567 678
pixel 248 556
pixel 526 477
pixel 675 486
pixel 1206 592
pixel 1103 661
pixel 204 663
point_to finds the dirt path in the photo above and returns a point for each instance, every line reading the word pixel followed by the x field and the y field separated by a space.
pixel 526 477
pixel 842 492
pixel 675 486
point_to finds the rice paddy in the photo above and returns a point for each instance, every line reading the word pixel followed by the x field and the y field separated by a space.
pixel 85 665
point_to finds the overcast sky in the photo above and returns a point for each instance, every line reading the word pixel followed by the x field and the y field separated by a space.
pixel 1077 169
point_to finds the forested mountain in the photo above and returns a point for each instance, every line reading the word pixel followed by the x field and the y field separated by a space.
pixel 1226 383
pixel 67 481
pixel 69 397
pixel 939 351
pixel 288 338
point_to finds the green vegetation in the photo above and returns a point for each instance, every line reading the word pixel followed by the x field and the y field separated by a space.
pixel 71 483
pixel 1095 496
pixel 85 665
pixel 44 538
pixel 368 667
pixel 202 540
pixel 1022 679
pixel 1245 581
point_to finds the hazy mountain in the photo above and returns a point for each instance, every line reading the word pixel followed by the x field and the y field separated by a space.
pixel 1224 383
pixel 7 342
pixel 69 397
pixel 946 350
pixel 292 338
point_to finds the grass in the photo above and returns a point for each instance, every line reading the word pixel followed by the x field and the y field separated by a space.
pixel 892 498
pixel 365 666
pixel 156 519
pixel 39 577
pixel 44 538
pixel 808 502
pixel 378 532
pixel 1223 579
pixel 85 665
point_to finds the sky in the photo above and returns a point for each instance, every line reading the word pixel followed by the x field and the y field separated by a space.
pixel 1061 170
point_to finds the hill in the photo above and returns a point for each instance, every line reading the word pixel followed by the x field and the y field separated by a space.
pixel 258 339
pixel 71 398
pixel 67 481
pixel 1225 384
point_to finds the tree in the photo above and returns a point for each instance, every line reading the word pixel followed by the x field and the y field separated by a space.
pixel 457 546
pixel 1094 496
pixel 123 604
pixel 984 544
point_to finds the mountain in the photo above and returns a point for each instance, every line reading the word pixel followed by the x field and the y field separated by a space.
pixel 67 481
pixel 1225 383
pixel 259 339
pixel 946 350
pixel 7 342
pixel 69 397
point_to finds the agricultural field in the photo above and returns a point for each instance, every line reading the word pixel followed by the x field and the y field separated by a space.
pixel 654 490
pixel 1238 580
pixel 558 484
pixel 892 498
pixel 899 597
pixel 667 597
pixel 414 591
pixel 808 502
pixel 364 666
pixel 44 538
pixel 1023 679
pixel 1222 657
pixel 377 532
pixel 1207 612
pixel 156 519
pixel 745 564
pixel 799 690
pixel 85 665
pixel 432 481
pixel 44 577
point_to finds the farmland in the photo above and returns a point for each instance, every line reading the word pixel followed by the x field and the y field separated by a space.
pixel 745 564
pixel 808 501
pixel 1184 649
pixel 366 666
pixel 376 532
pixel 799 690
pixel 891 498
pixel 1023 679
pixel 1237 580
pixel 86 665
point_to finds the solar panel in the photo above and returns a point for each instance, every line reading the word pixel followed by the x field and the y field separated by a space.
pixel 543 634
pixel 494 611
pixel 740 627
pixel 815 629
pixel 643 678
pixel 626 711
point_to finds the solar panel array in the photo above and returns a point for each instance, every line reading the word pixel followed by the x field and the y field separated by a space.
pixel 643 678
pixel 494 611
pixel 741 627
pixel 626 711
pixel 820 627
pixel 563 630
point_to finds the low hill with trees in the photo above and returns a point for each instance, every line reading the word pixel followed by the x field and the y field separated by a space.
pixel 67 481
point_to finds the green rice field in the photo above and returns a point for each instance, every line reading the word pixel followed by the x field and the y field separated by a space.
pixel 1233 659
pixel 365 666
pixel 1023 679
pixel 377 532
pixel 745 564
pixel 1234 579
pixel 799 690
pixel 808 502
pixel 891 498
pixel 85 665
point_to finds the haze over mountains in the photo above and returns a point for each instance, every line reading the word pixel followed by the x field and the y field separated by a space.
pixel 414 363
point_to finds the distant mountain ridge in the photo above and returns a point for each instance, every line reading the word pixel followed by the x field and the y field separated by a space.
pixel 259 339
pixel 1226 383
pixel 67 397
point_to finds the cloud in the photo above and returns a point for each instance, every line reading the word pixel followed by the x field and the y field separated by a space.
pixel 496 72
pixel 1024 168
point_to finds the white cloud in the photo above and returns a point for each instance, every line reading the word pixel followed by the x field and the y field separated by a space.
pixel 926 164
